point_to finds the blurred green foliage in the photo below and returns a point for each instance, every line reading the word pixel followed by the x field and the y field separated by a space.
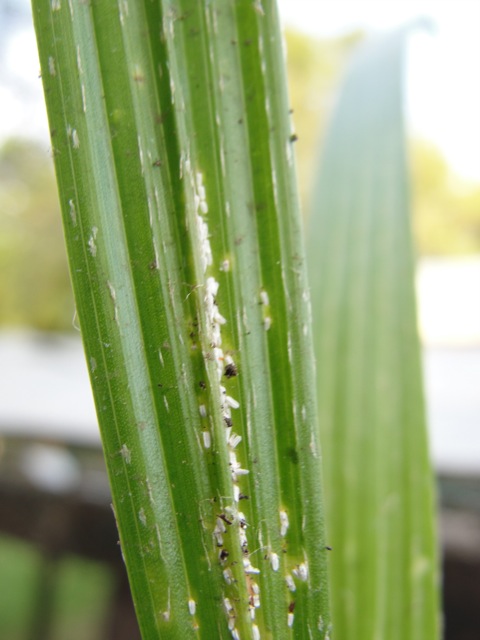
pixel 34 283
pixel 82 593
pixel 446 209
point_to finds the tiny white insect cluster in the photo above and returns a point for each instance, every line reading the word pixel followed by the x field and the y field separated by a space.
pixel 301 571
pixel 265 302
pixel 73 212
pixel 225 366
pixel 73 135
pixel 214 323
pixel 92 247
pixel 51 66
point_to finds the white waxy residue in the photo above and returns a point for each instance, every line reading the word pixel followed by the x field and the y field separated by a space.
pixel 231 402
pixel 249 568
pixel 290 583
pixel 274 560
pixel 225 266
pixel 126 453
pixel 257 5
pixel 51 66
pixel 264 299
pixel 288 150
pixel 192 606
pixel 224 364
pixel 73 212
pixel 236 467
pixel 142 517
pixel 207 439
pixel 75 139
pixel 205 248
pixel 79 61
pixel 301 571
pixel 84 99
pixel 234 440
pixel 284 524
pixel 92 247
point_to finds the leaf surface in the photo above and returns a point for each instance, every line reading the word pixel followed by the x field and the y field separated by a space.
pixel 378 479
pixel 171 138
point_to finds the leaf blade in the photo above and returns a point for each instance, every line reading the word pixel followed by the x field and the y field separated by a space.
pixel 157 180
pixel 377 473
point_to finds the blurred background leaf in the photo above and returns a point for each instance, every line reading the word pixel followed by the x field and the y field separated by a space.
pixel 34 282
pixel 378 479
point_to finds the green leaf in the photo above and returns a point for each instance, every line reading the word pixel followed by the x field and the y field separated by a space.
pixel 379 497
pixel 171 139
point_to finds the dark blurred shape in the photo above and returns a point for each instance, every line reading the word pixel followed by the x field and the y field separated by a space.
pixel 460 533
pixel 73 519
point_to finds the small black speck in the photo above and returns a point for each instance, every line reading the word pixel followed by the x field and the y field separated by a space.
pixel 157 163
pixel 223 555
pixel 230 370
pixel 228 422
pixel 328 548
pixel 223 517
pixel 202 384
pixel 293 137
pixel 242 496
pixel 291 606
pixel 293 455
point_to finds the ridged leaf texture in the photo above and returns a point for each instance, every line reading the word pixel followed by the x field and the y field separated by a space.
pixel 172 145
pixel 378 479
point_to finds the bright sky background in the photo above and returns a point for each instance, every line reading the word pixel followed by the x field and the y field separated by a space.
pixel 443 72
pixel 443 68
